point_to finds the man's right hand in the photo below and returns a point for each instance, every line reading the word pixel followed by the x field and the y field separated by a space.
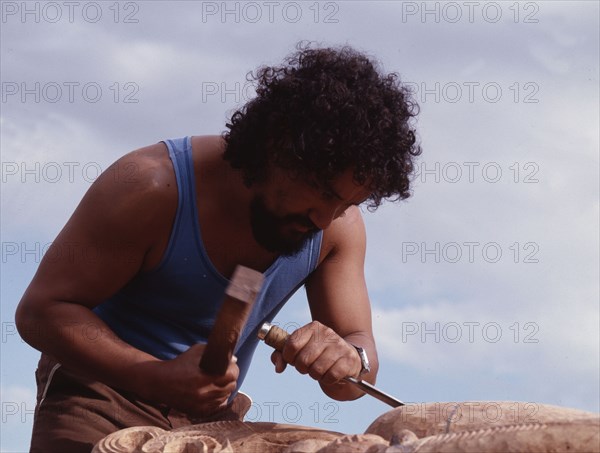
pixel 181 384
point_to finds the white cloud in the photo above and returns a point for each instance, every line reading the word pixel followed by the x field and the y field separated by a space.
pixel 19 394
pixel 553 60
pixel 44 173
pixel 547 358
pixel 455 335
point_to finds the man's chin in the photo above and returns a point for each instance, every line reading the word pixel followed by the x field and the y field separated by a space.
pixel 283 235
pixel 289 245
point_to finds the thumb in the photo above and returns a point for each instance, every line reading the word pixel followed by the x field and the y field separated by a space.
pixel 193 352
pixel 196 350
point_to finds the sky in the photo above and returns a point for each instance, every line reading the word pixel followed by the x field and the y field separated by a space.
pixel 483 284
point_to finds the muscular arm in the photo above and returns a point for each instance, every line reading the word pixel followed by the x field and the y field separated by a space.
pixel 119 229
pixel 341 314
pixel 338 298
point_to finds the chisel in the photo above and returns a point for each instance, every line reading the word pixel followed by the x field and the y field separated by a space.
pixel 275 337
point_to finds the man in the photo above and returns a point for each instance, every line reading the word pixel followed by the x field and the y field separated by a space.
pixel 121 319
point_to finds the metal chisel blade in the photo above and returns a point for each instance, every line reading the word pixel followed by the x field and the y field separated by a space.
pixel 375 392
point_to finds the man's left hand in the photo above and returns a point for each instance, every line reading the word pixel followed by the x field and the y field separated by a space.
pixel 319 351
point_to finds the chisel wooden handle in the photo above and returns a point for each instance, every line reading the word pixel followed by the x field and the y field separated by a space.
pixel 239 297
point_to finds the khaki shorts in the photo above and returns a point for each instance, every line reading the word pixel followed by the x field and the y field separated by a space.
pixel 74 412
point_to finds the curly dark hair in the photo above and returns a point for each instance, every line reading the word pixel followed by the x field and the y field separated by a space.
pixel 324 111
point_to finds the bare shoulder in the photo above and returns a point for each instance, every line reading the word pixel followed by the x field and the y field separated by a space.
pixel 122 224
pixel 135 186
pixel 135 198
pixel 346 235
pixel 147 169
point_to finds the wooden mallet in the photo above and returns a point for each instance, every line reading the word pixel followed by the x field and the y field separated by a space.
pixel 243 288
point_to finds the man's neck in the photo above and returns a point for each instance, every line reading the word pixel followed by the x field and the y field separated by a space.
pixel 224 209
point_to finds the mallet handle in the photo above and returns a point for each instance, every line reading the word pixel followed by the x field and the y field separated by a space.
pixel 240 295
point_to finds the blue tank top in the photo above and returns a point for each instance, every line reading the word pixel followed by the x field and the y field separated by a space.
pixel 174 306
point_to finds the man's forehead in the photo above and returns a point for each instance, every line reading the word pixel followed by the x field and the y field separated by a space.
pixel 343 187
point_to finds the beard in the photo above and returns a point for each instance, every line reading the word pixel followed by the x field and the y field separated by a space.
pixel 278 234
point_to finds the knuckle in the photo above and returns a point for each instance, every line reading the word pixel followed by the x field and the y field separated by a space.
pixel 289 355
pixel 315 376
pixel 327 331
pixel 350 357
pixel 328 379
pixel 294 347
pixel 290 352
pixel 316 372
pixel 297 335
pixel 301 367
pixel 335 338
pixel 329 336
pixel 337 374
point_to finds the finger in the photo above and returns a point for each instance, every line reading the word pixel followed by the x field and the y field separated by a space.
pixel 280 364
pixel 231 376
pixel 227 389
pixel 302 335
pixel 214 405
pixel 214 393
pixel 310 354
pixel 195 350
pixel 336 373
pixel 274 355
pixel 224 382
pixel 319 348
pixel 199 346
pixel 224 403
pixel 322 365
pixel 296 342
pixel 215 397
